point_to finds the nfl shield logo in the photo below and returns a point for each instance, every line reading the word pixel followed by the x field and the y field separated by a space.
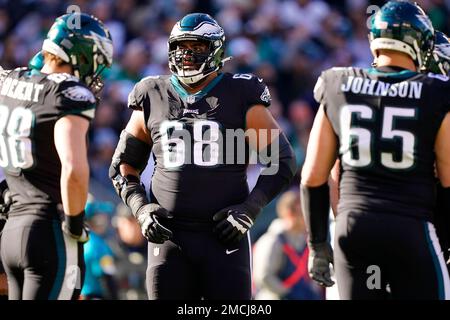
pixel 190 99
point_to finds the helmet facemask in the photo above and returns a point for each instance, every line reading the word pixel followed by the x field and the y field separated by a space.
pixel 442 59
pixel 191 67
pixel 88 68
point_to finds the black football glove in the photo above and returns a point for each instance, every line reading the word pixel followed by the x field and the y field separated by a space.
pixel 153 231
pixel 320 257
pixel 75 227
pixel 234 222
pixel 5 202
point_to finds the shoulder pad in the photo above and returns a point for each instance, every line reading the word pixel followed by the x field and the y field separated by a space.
pixel 438 76
pixel 61 77
pixel 245 76
pixel 3 74
pixel 254 90
pixel 150 80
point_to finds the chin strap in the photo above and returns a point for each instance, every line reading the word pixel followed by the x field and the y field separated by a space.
pixel 226 59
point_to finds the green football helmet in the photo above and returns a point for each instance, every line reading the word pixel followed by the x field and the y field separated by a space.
pixel 82 41
pixel 404 27
pixel 440 63
pixel 196 27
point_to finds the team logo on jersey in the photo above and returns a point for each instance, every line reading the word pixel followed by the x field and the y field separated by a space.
pixel 79 93
pixel 265 96
pixel 213 102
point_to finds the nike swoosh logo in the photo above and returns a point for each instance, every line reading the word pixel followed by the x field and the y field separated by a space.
pixel 231 251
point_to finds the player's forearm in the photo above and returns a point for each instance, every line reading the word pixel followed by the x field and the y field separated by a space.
pixel 315 207
pixel 70 142
pixel 74 187
pixel 126 169
pixel 333 182
pixel 269 186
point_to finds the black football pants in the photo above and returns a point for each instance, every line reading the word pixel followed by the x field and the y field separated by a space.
pixel 381 256
pixel 195 265
pixel 41 262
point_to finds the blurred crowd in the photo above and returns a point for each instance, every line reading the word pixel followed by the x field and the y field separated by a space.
pixel 286 42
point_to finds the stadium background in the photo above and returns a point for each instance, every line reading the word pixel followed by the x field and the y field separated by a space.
pixel 287 42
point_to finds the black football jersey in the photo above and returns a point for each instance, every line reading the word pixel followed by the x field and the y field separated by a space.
pixel 30 104
pixel 386 120
pixel 199 168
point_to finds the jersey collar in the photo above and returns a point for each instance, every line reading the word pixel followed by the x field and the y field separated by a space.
pixel 193 98
pixel 392 71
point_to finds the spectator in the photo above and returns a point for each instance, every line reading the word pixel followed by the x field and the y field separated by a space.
pixel 131 250
pixel 99 281
pixel 281 256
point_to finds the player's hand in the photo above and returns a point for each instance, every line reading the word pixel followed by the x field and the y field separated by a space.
pixel 151 228
pixel 320 257
pixel 82 238
pixel 5 202
pixel 233 223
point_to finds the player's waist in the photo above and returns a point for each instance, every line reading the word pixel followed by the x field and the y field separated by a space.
pixel 44 210
pixel 371 205
pixel 188 224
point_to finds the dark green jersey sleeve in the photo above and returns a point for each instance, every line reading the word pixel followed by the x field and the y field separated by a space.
pixel 255 91
pixel 138 97
pixel 73 98
pixel 319 89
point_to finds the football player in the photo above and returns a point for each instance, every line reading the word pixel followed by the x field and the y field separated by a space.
pixel 5 202
pixel 45 114
pixel 200 209
pixel 440 64
pixel 389 125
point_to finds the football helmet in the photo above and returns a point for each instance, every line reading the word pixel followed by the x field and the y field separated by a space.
pixel 196 27
pixel 403 26
pixel 86 46
pixel 440 62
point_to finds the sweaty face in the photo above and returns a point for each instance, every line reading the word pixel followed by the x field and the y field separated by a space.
pixel 193 53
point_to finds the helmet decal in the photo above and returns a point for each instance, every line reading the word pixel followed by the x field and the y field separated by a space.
pixel 105 46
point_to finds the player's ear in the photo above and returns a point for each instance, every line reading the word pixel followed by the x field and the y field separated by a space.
pixel 51 58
